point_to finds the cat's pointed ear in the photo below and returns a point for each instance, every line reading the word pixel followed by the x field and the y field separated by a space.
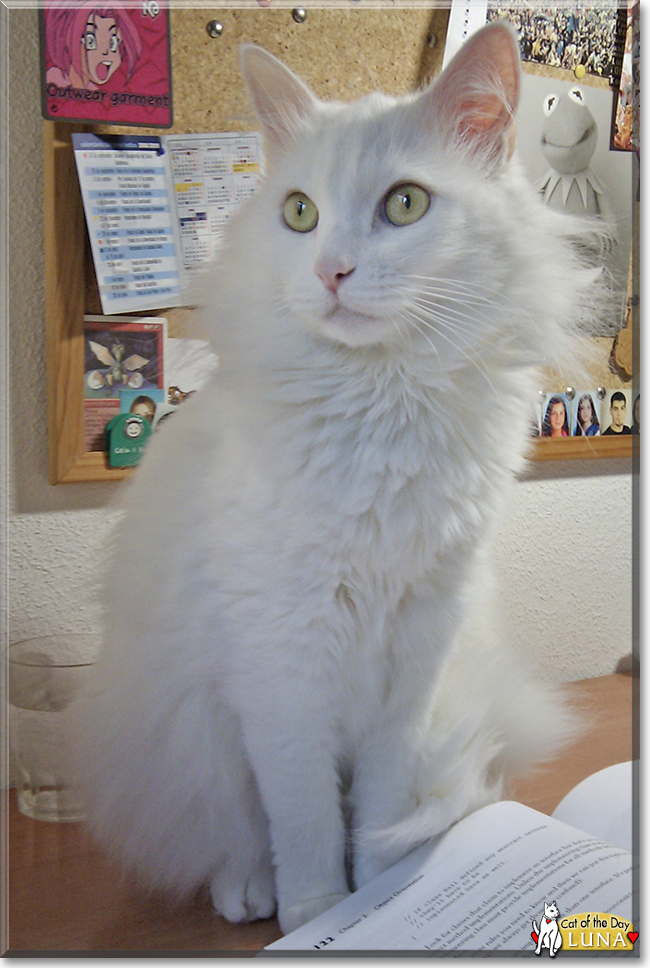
pixel 280 99
pixel 475 97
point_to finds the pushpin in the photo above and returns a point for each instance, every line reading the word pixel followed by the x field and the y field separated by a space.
pixel 580 70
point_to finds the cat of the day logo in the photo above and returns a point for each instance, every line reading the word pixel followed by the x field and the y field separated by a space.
pixel 591 931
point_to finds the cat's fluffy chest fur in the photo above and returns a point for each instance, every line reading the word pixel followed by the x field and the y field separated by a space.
pixel 300 596
pixel 368 478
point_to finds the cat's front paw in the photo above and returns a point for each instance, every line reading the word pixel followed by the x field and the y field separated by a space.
pixel 240 900
pixel 296 915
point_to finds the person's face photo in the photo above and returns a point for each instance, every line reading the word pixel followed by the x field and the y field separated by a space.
pixel 585 413
pixel 556 418
pixel 144 409
pixel 618 410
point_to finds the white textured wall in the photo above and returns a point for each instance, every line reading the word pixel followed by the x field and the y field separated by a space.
pixel 565 555
pixel 565 567
pixel 56 534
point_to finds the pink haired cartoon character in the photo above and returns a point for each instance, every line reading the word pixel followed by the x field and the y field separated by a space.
pixel 86 45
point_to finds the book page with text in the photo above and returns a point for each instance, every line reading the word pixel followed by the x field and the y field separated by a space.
pixel 477 887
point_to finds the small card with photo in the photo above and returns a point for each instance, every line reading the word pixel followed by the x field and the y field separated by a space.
pixel 585 414
pixel 556 412
pixel 143 403
pixel 619 411
pixel 107 64
pixel 636 414
pixel 121 354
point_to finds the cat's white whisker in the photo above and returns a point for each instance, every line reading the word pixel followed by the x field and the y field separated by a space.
pixel 394 319
pixel 475 361
pixel 411 319
pixel 474 330
pixel 452 287
pixel 494 298
pixel 465 284
pixel 464 322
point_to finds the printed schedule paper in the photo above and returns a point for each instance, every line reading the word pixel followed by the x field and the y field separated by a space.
pixel 131 221
pixel 155 208
pixel 212 174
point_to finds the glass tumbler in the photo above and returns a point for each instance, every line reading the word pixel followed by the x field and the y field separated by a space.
pixel 46 676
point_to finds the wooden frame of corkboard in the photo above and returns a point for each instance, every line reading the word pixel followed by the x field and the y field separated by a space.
pixel 342 52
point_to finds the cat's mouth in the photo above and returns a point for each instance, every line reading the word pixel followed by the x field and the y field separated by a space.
pixel 354 327
pixel 347 313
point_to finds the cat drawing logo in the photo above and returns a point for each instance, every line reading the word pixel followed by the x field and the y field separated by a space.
pixel 548 934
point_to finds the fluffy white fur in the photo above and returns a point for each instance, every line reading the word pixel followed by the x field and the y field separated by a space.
pixel 303 673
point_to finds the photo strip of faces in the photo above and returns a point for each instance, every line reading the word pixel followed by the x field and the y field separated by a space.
pixel 587 413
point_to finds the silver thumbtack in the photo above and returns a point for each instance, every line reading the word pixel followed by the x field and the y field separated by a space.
pixel 601 392
pixel 299 14
pixel 214 28
pixel 570 392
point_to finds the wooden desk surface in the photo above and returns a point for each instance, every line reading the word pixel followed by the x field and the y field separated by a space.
pixel 64 895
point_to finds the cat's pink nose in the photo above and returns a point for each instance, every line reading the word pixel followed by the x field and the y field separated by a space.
pixel 334 276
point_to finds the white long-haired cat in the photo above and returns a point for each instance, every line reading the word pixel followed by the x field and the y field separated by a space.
pixel 303 676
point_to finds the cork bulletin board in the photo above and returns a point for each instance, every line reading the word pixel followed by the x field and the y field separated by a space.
pixel 342 51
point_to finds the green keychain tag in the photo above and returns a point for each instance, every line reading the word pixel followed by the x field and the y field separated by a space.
pixel 126 436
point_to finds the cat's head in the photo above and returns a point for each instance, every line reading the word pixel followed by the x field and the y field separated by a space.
pixel 369 213
pixel 551 910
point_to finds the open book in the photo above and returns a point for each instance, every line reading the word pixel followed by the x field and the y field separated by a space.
pixel 480 886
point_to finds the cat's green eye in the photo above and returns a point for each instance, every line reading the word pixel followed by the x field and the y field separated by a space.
pixel 406 203
pixel 300 213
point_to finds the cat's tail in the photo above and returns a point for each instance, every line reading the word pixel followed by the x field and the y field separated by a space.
pixel 161 795
pixel 486 727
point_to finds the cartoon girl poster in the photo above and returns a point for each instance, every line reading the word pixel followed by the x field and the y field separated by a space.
pixel 108 63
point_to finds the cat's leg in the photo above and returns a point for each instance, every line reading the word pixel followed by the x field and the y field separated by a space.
pixel 382 794
pixel 292 746
pixel 555 940
pixel 242 882
pixel 406 765
pixel 169 788
pixel 411 784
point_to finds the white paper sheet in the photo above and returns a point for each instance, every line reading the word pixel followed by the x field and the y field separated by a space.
pixel 211 175
pixel 131 221
pixel 478 887
pixel 602 806
pixel 465 18
pixel 155 208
